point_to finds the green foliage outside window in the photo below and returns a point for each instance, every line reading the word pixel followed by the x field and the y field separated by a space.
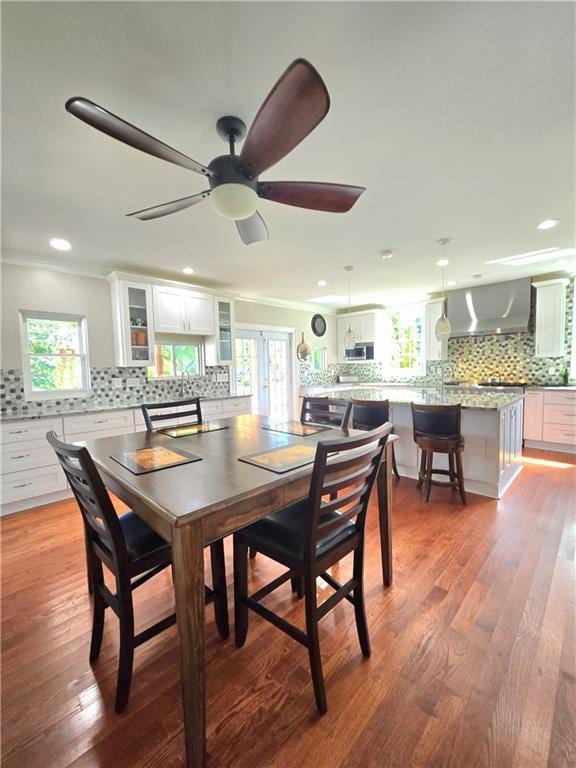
pixel 55 354
pixel 172 360
pixel 406 339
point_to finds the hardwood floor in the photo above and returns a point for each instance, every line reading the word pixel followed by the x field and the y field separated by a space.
pixel 473 649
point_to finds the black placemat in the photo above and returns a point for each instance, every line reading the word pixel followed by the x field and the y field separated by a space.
pixel 188 430
pixel 296 428
pixel 144 460
pixel 282 459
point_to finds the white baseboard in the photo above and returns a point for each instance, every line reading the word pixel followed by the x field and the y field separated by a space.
pixel 560 447
pixel 35 501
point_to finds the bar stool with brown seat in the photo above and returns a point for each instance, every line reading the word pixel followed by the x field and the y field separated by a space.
pixel 309 537
pixel 367 414
pixel 437 429
pixel 133 553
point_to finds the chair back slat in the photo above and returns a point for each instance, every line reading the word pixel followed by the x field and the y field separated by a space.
pixel 437 420
pixel 151 417
pixel 100 518
pixel 325 410
pixel 355 461
pixel 368 414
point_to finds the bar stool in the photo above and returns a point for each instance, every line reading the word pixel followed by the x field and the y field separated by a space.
pixel 369 414
pixel 437 429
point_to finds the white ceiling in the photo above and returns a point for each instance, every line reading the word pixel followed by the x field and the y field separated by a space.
pixel 457 117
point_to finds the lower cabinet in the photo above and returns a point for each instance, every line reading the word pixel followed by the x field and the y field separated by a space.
pixel 30 474
pixel 550 419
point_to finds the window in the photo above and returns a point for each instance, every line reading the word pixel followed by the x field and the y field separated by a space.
pixel 572 373
pixel 54 355
pixel 405 354
pixel 318 359
pixel 172 360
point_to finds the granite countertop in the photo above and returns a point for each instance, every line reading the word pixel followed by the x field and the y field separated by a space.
pixel 420 395
pixel 559 387
pixel 61 410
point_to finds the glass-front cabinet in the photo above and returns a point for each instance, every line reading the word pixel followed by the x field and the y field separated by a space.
pixel 133 323
pixel 220 346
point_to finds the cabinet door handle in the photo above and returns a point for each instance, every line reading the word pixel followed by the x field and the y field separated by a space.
pixel 22 485
pixel 100 421
pixel 22 456
pixel 17 431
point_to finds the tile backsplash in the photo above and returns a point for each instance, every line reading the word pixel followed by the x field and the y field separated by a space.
pixel 509 358
pixel 104 394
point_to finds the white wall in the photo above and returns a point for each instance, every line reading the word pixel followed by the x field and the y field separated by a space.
pixel 40 289
pixel 48 291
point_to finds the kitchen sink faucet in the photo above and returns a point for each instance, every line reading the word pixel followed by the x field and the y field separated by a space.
pixel 182 375
pixel 439 369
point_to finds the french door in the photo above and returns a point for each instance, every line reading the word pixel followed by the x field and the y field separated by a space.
pixel 263 370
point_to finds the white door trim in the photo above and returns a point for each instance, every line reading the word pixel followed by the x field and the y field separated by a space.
pixel 294 369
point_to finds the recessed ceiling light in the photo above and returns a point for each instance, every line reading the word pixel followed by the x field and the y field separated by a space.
pixel 548 224
pixel 442 263
pixel 187 270
pixel 59 244
pixel 322 283
pixel 387 254
pixel 451 283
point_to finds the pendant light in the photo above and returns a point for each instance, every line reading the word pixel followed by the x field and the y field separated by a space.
pixel 349 337
pixel 442 328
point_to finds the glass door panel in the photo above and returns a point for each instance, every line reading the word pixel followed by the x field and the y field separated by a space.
pixel 263 371
pixel 139 323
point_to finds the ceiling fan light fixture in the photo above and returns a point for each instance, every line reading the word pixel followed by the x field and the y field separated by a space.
pixel 234 201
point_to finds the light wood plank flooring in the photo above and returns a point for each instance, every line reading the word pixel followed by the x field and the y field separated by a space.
pixel 473 649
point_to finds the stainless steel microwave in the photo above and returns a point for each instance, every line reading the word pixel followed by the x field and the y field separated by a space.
pixel 361 351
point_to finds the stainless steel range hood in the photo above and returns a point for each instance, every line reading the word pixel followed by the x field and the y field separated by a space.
pixel 490 309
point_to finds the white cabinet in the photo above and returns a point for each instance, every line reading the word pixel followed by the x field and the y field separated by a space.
pixel 133 323
pixel 433 349
pixel 533 415
pixel 550 318
pixel 366 327
pixel 177 310
pixel 219 348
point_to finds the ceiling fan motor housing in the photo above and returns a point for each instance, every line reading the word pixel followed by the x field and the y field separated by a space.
pixel 229 170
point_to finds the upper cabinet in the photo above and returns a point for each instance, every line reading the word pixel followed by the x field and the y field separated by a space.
pixel 433 349
pixel 219 348
pixel 550 317
pixel 133 323
pixel 367 327
pixel 178 310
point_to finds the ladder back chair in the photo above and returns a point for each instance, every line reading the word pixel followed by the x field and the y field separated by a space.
pixel 194 411
pixel 311 536
pixel 325 410
pixel 437 429
pixel 133 553
pixel 368 414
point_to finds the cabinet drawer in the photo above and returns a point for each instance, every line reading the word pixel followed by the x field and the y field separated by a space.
pixel 32 453
pixel 555 397
pixel 555 433
pixel 81 437
pixel 33 429
pixel 95 422
pixel 236 405
pixel 211 408
pixel 31 482
pixel 560 414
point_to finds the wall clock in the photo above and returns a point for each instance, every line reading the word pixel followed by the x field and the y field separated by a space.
pixel 318 325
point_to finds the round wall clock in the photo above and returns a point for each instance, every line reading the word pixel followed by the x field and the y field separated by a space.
pixel 318 325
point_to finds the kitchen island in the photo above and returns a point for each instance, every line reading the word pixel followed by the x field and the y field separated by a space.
pixel 491 425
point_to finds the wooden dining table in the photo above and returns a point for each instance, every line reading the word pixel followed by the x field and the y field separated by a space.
pixel 195 504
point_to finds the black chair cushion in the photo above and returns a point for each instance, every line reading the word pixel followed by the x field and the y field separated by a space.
pixel 141 540
pixel 283 533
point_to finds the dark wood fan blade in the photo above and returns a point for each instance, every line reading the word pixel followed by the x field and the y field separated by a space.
pixel 173 206
pixel 114 126
pixel 293 108
pixel 317 195
pixel 252 229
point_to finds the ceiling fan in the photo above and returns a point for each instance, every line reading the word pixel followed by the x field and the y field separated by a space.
pixel 294 107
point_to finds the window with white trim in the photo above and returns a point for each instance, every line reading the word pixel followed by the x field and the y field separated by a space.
pixel 54 355
pixel 171 360
pixel 318 359
pixel 573 350
pixel 405 340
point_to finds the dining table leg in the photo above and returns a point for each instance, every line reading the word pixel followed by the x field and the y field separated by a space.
pixel 188 570
pixel 384 486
